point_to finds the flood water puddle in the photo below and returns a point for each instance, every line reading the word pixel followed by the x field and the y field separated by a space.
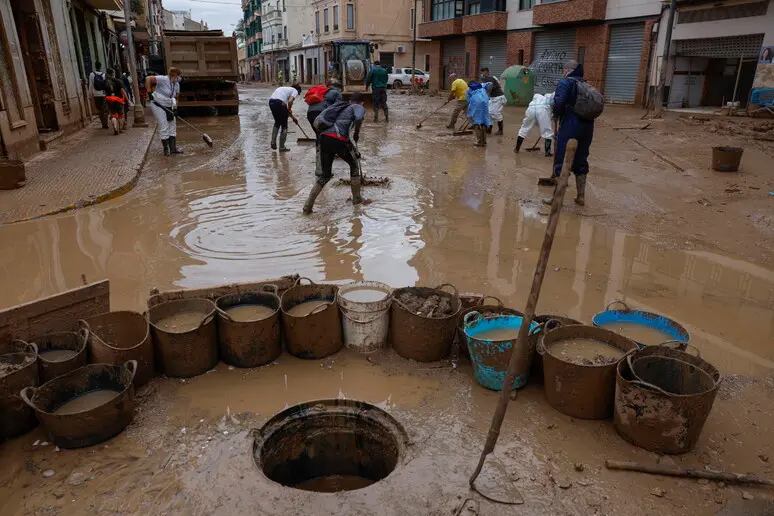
pixel 233 214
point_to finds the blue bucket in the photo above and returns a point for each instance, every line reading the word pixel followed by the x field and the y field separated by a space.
pixel 663 324
pixel 490 358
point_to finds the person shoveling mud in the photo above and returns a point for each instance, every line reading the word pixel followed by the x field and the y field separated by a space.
pixel 339 129
pixel 433 306
pixel 538 112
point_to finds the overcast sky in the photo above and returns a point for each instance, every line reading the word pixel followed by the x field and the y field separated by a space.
pixel 218 14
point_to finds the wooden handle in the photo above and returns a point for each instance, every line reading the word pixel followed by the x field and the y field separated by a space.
pixel 675 471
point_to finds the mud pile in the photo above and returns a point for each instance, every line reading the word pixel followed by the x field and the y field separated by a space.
pixel 13 362
pixel 432 306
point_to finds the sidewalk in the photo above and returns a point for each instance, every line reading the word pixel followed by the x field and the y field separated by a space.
pixel 87 167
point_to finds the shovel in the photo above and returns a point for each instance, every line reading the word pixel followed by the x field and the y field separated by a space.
pixel 463 130
pixel 306 138
pixel 419 125
pixel 534 147
pixel 205 136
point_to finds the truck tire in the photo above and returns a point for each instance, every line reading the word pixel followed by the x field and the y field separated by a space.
pixel 397 84
pixel 228 111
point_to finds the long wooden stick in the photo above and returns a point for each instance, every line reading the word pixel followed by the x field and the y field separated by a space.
pixel 529 312
pixel 675 471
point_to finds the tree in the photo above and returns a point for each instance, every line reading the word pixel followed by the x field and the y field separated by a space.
pixel 239 32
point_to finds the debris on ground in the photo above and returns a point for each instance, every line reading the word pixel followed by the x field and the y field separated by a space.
pixel 657 491
pixel 433 306
pixel 579 466
pixel 747 496
pixel 48 473
pixel 366 181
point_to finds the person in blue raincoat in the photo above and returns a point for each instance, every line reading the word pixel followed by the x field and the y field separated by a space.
pixel 478 110
pixel 572 126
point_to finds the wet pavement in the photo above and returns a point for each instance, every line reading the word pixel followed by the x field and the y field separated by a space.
pixel 453 214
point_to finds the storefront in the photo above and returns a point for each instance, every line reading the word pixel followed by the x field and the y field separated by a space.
pixel 492 52
pixel 453 52
pixel 552 49
pixel 624 60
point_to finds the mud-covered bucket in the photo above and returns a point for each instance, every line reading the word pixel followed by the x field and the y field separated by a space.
pixel 249 327
pixel 61 352
pixel 491 340
pixel 726 159
pixel 86 406
pixel 663 398
pixel 18 369
pixel 365 311
pixel 424 322
pixel 644 328
pixel 117 337
pixel 185 336
pixel 486 310
pixel 311 320
pixel 546 323
pixel 581 390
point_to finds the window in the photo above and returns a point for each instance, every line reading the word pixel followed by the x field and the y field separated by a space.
pixel 411 19
pixel 335 17
pixel 446 9
pixel 317 21
pixel 350 17
pixel 326 21
pixel 525 5
pixel 427 63
pixel 285 32
pixel 283 5
pixel 474 8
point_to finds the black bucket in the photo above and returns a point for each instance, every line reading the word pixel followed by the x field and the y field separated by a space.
pixel 249 343
pixel 18 369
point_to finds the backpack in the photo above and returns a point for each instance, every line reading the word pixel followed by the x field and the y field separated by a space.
pixel 589 103
pixel 316 94
pixel 100 82
pixel 327 118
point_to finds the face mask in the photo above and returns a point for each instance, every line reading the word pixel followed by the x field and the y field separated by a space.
pixel 482 76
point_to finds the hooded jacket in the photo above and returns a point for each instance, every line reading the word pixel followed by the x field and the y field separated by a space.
pixel 565 97
pixel 478 103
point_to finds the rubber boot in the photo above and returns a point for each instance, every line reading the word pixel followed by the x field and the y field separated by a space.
pixel 173 148
pixel 376 116
pixel 519 141
pixel 309 204
pixel 580 185
pixel 165 143
pixel 548 149
pixel 274 132
pixel 489 129
pixel 356 197
pixel 386 115
pixel 499 128
pixel 283 139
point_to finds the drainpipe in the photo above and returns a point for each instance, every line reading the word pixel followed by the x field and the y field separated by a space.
pixel 414 49
pixel 139 113
pixel 659 104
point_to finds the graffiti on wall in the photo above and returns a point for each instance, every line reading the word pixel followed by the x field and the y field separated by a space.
pixel 547 69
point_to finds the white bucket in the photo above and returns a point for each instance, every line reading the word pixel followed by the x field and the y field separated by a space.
pixel 366 321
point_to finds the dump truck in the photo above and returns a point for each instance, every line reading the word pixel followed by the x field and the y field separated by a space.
pixel 208 62
pixel 351 64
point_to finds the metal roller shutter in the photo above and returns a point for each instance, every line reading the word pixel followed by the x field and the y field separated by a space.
pixel 453 59
pixel 734 46
pixel 492 51
pixel 552 49
pixel 623 62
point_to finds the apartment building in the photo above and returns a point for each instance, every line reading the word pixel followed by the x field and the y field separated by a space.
pixel 620 43
pixel 284 24
pixel 253 62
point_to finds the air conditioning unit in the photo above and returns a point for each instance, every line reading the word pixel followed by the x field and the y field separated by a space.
pixel 401 49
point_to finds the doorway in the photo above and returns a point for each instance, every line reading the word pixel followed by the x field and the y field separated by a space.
pixel 35 65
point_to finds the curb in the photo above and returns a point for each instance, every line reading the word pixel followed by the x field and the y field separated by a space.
pixel 105 196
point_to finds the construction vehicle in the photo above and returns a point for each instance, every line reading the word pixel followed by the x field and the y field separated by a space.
pixel 208 62
pixel 351 64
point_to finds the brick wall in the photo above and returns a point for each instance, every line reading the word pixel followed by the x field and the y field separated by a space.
pixel 569 11
pixel 642 77
pixel 471 49
pixel 596 40
pixel 519 41
pixel 435 49
pixel 440 28
pixel 484 22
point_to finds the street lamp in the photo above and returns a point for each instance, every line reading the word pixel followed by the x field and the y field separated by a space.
pixel 139 113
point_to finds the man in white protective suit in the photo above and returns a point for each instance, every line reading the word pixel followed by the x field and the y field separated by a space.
pixel 538 111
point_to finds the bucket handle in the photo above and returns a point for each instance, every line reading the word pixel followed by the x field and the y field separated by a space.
pixel 223 314
pixel 471 318
pixel 83 334
pixel 320 308
pixel 298 281
pixel 482 302
pixel 207 319
pixel 271 287
pixel 618 302
pixel 681 346
pixel 26 395
pixel 647 385
pixel 456 292
pixel 344 313
pixel 131 366
pixel 29 345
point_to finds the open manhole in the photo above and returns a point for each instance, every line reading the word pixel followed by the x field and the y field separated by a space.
pixel 329 445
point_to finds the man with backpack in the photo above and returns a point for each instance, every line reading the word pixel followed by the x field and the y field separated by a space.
pixel 97 84
pixel 576 104
pixel 339 130
pixel 319 98
pixel 377 79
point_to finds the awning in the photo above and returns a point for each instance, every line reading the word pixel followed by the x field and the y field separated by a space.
pixel 107 5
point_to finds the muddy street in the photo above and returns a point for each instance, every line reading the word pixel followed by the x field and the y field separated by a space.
pixel 660 231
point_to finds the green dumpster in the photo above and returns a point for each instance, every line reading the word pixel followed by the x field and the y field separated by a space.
pixel 519 85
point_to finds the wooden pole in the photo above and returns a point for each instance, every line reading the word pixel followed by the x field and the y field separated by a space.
pixel 675 471
pixel 529 312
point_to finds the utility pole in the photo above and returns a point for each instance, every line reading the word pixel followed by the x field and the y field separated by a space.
pixel 139 112
pixel 414 48
pixel 659 103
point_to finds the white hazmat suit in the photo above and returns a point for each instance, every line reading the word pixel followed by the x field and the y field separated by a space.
pixel 538 111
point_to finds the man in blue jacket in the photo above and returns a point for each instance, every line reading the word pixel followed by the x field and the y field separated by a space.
pixel 572 126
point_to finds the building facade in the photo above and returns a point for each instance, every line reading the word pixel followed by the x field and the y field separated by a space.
pixel 251 10
pixel 284 23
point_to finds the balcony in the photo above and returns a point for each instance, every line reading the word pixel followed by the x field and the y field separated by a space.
pixel 484 22
pixel 550 12
pixel 271 15
pixel 437 29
